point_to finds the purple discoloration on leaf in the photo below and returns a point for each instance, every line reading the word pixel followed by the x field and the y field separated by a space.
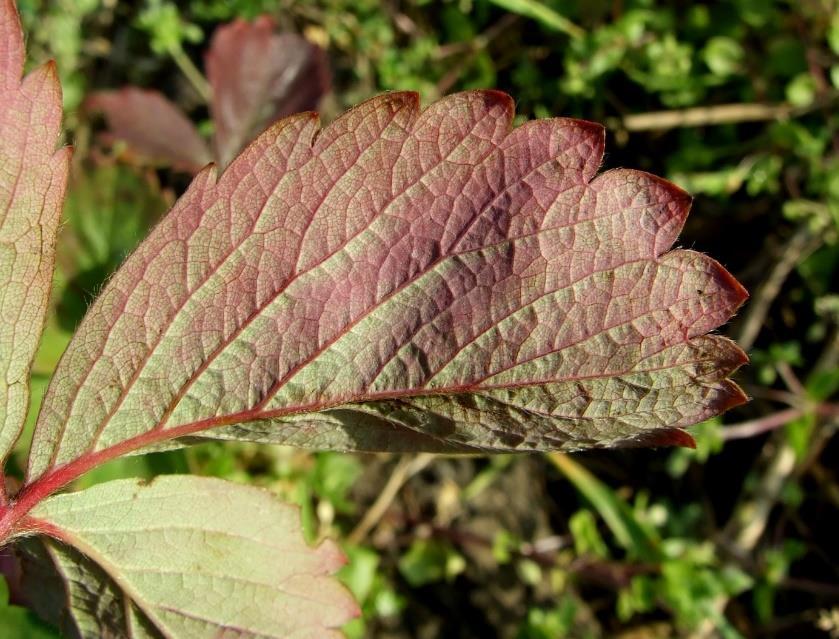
pixel 256 76
pixel 405 279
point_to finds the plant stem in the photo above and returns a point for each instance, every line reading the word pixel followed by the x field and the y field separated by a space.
pixel 408 466
pixel 748 521
pixel 719 114
pixel 761 425
pixel 195 77
pixel 802 243
pixel 705 116
pixel 765 424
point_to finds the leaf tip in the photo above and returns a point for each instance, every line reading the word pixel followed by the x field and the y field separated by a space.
pixel 736 292
pixel 51 70
pixel 64 153
pixel 400 100
pixel 679 438
pixel 333 559
pixel 738 357
pixel 732 396
pixel 595 129
pixel 677 202
pixel 496 97
pixel 331 555
pixel 665 438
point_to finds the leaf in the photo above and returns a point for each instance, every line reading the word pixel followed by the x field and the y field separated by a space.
pixel 403 281
pixel 629 533
pixel 32 181
pixel 152 126
pixel 541 12
pixel 258 76
pixel 187 557
pixel 20 622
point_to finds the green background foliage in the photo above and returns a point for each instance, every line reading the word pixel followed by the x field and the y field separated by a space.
pixel 734 101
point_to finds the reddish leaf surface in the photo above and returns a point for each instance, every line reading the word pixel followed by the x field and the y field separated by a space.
pixel 32 181
pixel 152 126
pixel 259 76
pixel 403 280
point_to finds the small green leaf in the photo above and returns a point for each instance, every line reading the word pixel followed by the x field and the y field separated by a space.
pixel 427 561
pixel 799 433
pixel 833 33
pixel 801 91
pixel 723 55
pixel 587 539
pixel 167 30
pixel 191 557
pixel 359 574
pixel 823 384
pixel 550 623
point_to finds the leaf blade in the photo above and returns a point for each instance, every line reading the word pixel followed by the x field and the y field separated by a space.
pixel 258 76
pixel 542 13
pixel 152 126
pixel 628 532
pixel 251 573
pixel 404 255
pixel 33 177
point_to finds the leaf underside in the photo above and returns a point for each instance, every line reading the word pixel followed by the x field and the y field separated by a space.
pixel 404 280
pixel 181 557
pixel 33 176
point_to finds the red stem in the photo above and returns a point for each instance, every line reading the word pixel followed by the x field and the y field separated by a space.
pixel 12 515
pixel 761 425
pixel 755 427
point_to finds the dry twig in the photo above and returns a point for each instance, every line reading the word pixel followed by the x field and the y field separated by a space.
pixel 407 467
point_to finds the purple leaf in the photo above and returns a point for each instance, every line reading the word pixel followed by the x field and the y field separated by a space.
pixel 153 127
pixel 258 76
pixel 403 280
